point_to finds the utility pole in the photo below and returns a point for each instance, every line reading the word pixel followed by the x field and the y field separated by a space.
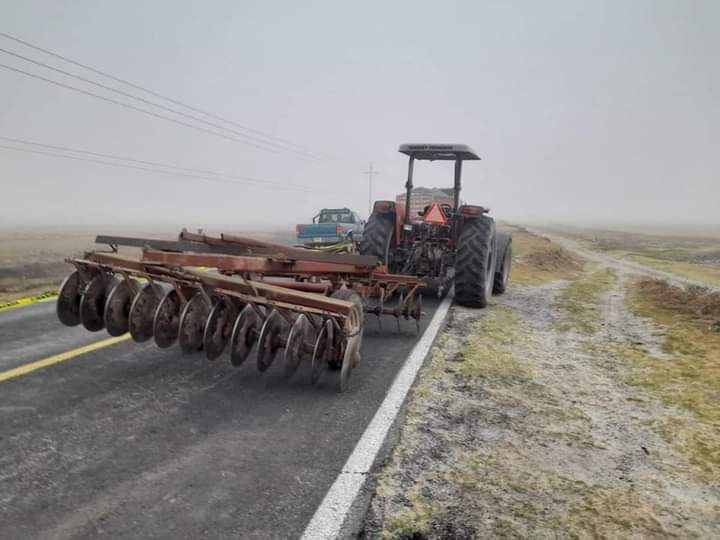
pixel 370 172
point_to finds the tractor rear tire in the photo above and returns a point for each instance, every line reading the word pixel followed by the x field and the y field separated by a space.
pixel 377 237
pixel 475 262
pixel 503 263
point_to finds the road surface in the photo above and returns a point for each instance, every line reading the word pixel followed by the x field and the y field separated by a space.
pixel 132 441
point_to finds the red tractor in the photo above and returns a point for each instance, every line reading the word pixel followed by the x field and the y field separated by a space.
pixel 443 243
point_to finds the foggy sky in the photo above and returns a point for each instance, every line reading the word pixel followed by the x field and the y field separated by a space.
pixel 582 111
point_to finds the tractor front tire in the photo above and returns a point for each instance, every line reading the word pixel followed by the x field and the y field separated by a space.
pixel 503 263
pixel 377 237
pixel 475 262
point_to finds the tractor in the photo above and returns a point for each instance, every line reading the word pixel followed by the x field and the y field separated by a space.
pixel 443 243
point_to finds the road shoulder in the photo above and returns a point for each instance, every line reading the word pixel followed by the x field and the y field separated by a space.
pixel 534 418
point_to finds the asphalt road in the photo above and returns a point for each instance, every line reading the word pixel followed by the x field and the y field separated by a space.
pixel 131 441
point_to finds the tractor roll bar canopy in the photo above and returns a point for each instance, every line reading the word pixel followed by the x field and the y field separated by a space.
pixel 436 152
pixel 432 152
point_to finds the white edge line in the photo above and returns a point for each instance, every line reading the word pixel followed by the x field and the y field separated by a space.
pixel 328 519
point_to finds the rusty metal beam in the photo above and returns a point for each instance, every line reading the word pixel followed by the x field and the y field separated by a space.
pixel 273 292
pixel 219 281
pixel 230 245
pixel 260 265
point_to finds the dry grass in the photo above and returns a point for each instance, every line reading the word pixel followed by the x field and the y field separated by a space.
pixel 692 301
pixel 32 261
pixel 690 378
pixel 537 260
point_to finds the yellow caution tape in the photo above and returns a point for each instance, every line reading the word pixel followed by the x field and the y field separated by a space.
pixel 42 297
pixel 49 295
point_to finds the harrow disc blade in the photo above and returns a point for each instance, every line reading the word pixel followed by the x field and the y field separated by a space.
pixel 92 302
pixel 192 323
pixel 68 302
pixel 166 320
pixel 117 307
pixel 218 328
pixel 270 340
pixel 416 312
pixel 350 360
pixel 244 335
pixel 300 333
pixel 322 351
pixel 142 311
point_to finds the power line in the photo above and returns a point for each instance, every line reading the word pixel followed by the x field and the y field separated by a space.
pixel 256 183
pixel 148 102
pixel 138 109
pixel 146 90
pixel 146 162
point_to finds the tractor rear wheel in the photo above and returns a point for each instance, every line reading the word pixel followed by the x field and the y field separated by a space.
pixel 377 237
pixel 475 262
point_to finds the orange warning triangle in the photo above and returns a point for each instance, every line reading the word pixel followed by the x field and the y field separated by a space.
pixel 435 215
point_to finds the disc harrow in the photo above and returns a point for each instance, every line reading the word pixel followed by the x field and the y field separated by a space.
pixel 284 305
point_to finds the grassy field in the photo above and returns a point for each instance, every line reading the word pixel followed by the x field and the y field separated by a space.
pixel 32 259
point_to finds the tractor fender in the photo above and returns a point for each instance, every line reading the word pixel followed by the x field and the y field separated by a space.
pixel 470 211
pixel 394 210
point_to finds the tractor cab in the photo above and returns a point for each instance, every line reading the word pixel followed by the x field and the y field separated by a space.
pixel 448 243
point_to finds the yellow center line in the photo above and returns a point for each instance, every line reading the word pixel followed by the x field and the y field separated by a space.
pixel 57 358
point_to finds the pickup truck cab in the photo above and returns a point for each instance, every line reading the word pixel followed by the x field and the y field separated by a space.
pixel 330 226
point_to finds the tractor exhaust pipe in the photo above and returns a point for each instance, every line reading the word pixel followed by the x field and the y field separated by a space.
pixel 456 190
pixel 408 190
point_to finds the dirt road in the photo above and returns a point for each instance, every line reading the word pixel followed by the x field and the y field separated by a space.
pixel 531 421
pixel 619 263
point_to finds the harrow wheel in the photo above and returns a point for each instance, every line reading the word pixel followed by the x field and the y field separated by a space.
pixel 244 335
pixel 68 302
pixel 166 321
pixel 297 343
pixel 192 323
pixel 270 340
pixel 218 328
pixel 92 302
pixel 117 306
pixel 142 311
pixel 322 350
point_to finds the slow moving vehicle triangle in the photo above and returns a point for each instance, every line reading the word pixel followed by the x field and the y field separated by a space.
pixel 435 215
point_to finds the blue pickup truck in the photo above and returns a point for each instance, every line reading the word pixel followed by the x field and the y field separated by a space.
pixel 330 226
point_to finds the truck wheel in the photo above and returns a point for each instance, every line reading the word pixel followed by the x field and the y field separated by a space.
pixel 377 237
pixel 475 262
pixel 503 264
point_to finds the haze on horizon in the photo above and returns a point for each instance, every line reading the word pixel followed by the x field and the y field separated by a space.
pixel 583 112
